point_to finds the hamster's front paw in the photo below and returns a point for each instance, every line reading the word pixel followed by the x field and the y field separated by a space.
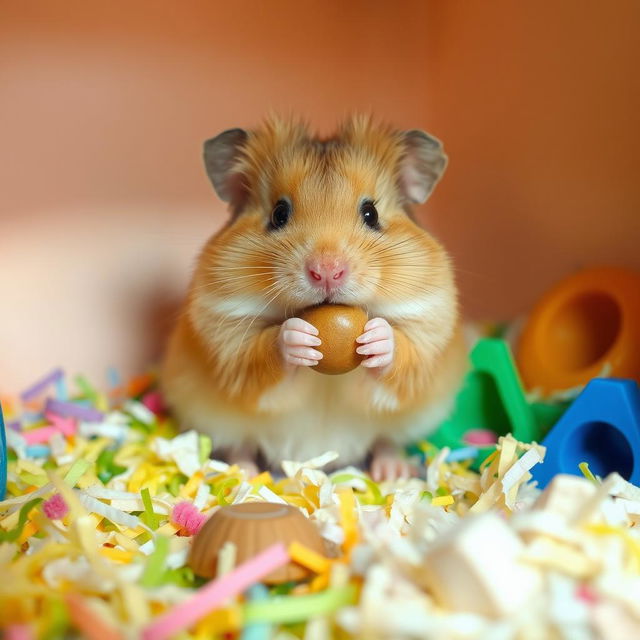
pixel 296 341
pixel 378 343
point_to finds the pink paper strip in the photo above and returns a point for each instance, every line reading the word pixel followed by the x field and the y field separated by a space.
pixel 213 595
pixel 154 402
pixel 18 632
pixel 66 425
pixel 41 435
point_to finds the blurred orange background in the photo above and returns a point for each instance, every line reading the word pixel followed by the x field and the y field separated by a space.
pixel 104 107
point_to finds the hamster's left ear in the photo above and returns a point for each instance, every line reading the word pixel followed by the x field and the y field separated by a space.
pixel 422 165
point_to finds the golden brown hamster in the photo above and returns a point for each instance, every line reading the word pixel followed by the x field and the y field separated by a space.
pixel 318 221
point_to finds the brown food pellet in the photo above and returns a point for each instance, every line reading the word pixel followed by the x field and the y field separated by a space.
pixel 338 326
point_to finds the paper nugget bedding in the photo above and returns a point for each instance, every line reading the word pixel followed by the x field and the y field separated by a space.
pixel 104 497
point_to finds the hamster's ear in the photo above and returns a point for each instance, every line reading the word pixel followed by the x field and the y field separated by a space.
pixel 220 156
pixel 422 165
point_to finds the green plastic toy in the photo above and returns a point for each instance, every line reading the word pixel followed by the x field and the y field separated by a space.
pixel 492 399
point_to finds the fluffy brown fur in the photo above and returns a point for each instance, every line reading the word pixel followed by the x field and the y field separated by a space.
pixel 224 373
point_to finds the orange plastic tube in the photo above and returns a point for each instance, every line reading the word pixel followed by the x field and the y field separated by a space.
pixel 586 326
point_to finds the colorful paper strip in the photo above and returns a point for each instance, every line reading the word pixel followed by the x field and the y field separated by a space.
pixel 216 593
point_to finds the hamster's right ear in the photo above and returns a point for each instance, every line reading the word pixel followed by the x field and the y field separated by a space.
pixel 220 159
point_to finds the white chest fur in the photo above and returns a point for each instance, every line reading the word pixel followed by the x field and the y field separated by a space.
pixel 310 413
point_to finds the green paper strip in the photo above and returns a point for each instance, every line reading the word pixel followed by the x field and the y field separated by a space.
pixel 106 468
pixel 182 577
pixel 155 569
pixel 86 389
pixel 175 483
pixel 149 517
pixel 283 589
pixel 376 496
pixel 107 525
pixel 57 621
pixel 13 534
pixel 221 488
pixel 290 609
pixel 35 480
pixel 147 429
pixel 206 446
pixel 145 536
pixel 586 472
pixel 77 470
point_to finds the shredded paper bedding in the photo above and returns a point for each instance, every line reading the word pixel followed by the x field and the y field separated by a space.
pixel 104 496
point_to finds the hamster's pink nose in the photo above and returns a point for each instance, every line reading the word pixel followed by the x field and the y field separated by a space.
pixel 327 272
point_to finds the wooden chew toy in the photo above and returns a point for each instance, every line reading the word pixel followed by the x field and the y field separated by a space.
pixel 338 326
pixel 252 527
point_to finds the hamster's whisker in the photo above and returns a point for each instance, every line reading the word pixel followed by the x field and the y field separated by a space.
pixel 255 247
pixel 245 298
pixel 221 278
pixel 390 282
pixel 418 290
pixel 260 246
pixel 410 278
pixel 476 274
pixel 384 289
pixel 228 278
pixel 401 250
pixel 255 317
pixel 253 255
pixel 216 283
pixel 230 317
pixel 384 243
pixel 394 246
pixel 215 269
pixel 390 262
pixel 395 255
pixel 398 253
pixel 366 244
pixel 414 272
pixel 258 243
pixel 255 239
pixel 400 256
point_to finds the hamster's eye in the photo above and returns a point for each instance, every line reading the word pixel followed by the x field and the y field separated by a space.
pixel 369 214
pixel 280 214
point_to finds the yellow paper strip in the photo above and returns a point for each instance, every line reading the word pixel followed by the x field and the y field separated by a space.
pixel 220 622
pixel 118 555
pixel 348 518
pixel 308 558
pixel 442 501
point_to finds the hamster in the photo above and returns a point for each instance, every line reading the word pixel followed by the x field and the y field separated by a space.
pixel 318 221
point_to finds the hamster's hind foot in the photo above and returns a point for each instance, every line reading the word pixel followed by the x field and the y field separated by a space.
pixel 388 463
pixel 244 456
